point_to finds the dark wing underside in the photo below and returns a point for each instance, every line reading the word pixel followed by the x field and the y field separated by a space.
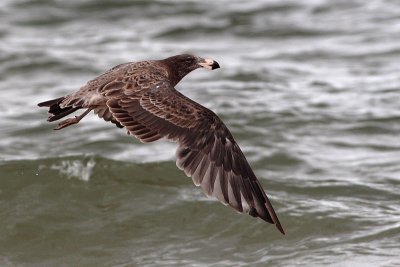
pixel 207 151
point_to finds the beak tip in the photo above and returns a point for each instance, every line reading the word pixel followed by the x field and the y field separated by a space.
pixel 215 65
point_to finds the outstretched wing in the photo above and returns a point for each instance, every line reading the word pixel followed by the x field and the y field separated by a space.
pixel 207 151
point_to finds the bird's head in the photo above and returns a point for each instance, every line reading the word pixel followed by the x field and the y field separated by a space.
pixel 181 65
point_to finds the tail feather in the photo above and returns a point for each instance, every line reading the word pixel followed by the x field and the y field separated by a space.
pixel 62 113
pixel 55 110
pixel 52 102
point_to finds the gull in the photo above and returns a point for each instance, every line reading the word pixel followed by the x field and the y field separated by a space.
pixel 141 97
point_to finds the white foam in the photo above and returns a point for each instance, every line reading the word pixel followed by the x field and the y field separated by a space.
pixel 75 168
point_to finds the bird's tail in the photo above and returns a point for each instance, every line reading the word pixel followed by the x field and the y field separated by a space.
pixel 55 110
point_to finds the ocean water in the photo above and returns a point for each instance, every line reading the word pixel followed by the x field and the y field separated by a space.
pixel 309 89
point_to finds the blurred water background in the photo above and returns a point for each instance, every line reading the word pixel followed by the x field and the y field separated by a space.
pixel 309 89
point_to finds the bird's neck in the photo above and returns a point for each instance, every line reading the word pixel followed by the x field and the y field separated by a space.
pixel 177 72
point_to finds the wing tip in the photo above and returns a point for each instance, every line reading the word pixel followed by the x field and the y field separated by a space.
pixel 269 217
pixel 280 228
pixel 272 220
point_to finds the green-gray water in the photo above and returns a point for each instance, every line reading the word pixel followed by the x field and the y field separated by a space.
pixel 309 89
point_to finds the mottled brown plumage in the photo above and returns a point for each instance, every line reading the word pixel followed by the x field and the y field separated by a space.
pixel 141 98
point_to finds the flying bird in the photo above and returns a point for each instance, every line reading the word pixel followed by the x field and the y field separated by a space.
pixel 141 97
